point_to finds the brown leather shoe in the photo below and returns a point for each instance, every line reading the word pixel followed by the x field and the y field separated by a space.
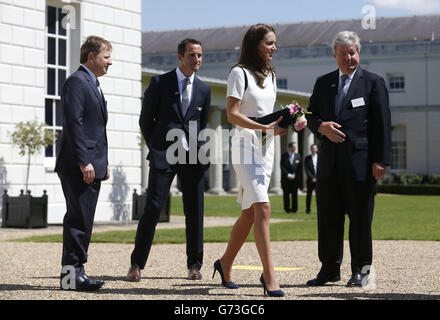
pixel 134 274
pixel 194 274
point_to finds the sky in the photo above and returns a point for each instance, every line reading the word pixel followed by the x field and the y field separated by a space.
pixel 159 15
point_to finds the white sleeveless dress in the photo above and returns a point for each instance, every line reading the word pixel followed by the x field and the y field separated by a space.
pixel 251 160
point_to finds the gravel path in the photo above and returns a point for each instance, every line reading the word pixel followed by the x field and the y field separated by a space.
pixel 404 270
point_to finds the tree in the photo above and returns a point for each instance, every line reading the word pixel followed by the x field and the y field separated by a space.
pixel 30 137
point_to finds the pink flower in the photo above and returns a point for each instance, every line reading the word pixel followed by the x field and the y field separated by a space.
pixel 293 109
pixel 299 125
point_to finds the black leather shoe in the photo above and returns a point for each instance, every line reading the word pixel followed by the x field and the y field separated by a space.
pixel 83 283
pixel 322 278
pixel 357 279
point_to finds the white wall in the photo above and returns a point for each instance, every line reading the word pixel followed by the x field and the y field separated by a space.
pixel 22 27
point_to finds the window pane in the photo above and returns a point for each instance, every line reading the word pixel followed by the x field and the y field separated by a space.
pixel 48 112
pixel 61 22
pixel 50 81
pixel 59 119
pixel 50 50
pixel 49 149
pixel 398 154
pixel 51 19
pixel 62 52
pixel 61 79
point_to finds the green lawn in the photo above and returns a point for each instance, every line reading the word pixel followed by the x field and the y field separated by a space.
pixel 396 218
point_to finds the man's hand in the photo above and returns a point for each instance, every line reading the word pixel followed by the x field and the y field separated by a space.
pixel 273 129
pixel 330 130
pixel 379 170
pixel 107 176
pixel 88 173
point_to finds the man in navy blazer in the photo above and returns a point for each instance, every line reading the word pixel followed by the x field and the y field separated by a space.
pixel 291 178
pixel 174 101
pixel 82 161
pixel 350 114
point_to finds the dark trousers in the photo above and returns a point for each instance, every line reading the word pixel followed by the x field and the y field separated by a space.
pixel 336 197
pixel 310 187
pixel 290 197
pixel 159 182
pixel 81 200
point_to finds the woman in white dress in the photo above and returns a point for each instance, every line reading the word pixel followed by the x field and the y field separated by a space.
pixel 251 93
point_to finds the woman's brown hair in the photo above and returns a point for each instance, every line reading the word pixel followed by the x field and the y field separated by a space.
pixel 250 57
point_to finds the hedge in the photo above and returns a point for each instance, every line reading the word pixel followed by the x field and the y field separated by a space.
pixel 420 189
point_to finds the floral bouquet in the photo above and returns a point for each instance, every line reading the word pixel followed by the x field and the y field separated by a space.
pixel 293 115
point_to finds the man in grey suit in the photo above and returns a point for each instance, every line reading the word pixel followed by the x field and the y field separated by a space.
pixel 82 161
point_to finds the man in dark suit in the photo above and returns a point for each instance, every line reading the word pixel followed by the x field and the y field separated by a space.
pixel 291 172
pixel 351 116
pixel 82 150
pixel 174 100
pixel 310 166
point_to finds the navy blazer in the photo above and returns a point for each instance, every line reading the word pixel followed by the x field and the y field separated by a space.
pixel 84 138
pixel 295 167
pixel 367 127
pixel 161 112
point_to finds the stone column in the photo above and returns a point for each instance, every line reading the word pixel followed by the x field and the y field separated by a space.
pixel 276 173
pixel 233 179
pixel 173 188
pixel 216 168
pixel 292 136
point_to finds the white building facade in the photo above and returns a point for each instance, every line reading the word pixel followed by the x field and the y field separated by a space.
pixel 39 48
pixel 405 51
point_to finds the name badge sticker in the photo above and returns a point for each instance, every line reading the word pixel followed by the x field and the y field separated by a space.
pixel 359 102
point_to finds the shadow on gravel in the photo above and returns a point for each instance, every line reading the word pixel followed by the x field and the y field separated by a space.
pixel 22 287
pixel 374 296
pixel 116 291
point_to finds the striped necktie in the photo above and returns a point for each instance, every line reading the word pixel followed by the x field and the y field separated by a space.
pixel 185 96
pixel 340 97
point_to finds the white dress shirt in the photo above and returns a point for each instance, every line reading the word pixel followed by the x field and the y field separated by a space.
pixel 347 82
pixel 315 162
pixel 189 87
pixel 291 159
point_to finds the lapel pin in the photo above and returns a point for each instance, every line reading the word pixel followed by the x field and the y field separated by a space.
pixel 333 85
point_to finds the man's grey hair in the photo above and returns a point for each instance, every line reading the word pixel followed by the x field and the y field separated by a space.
pixel 346 37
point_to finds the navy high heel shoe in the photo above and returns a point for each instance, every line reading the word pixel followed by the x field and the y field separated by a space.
pixel 274 293
pixel 218 267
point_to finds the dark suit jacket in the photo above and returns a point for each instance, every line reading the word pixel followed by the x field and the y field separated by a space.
pixel 286 168
pixel 161 112
pixel 309 168
pixel 83 139
pixel 367 128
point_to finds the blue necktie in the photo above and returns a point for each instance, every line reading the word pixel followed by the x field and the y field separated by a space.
pixel 340 97
pixel 98 86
